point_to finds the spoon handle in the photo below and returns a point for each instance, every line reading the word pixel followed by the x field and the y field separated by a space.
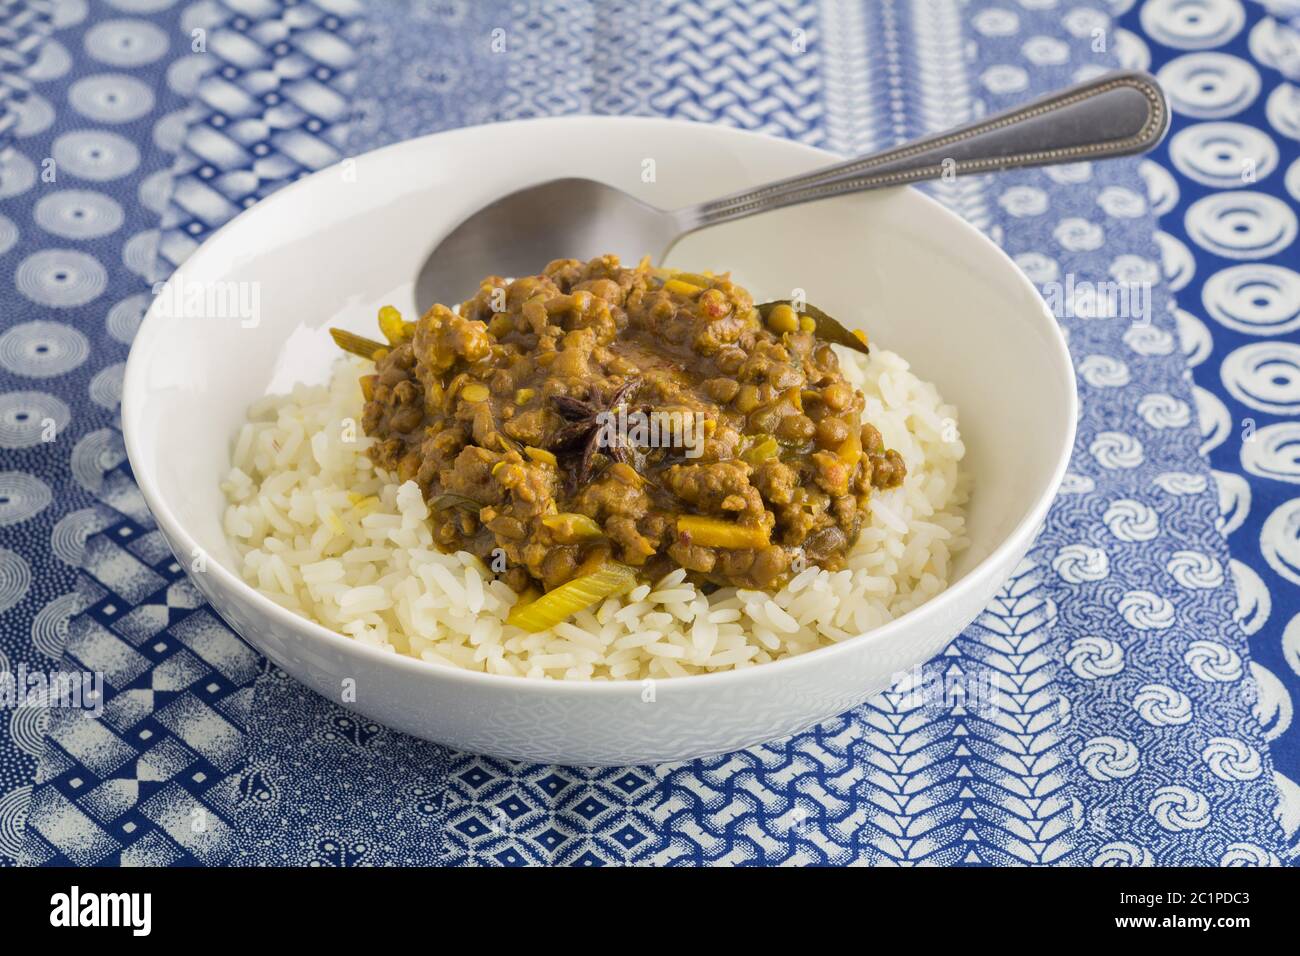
pixel 1113 115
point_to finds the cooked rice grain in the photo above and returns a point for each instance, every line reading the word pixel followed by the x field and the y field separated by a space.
pixel 320 531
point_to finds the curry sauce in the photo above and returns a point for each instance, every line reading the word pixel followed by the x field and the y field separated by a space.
pixel 595 413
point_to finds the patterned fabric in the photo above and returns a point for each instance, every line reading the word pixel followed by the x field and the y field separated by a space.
pixel 76 220
pixel 1103 710
pixel 159 777
pixel 1229 184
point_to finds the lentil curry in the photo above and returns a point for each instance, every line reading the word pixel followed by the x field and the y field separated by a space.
pixel 501 412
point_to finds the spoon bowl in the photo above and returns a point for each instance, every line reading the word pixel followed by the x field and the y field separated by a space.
pixel 520 233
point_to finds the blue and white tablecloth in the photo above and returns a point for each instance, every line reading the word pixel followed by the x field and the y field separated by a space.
pixel 1144 655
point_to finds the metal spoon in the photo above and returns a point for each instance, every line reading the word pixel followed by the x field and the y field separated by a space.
pixel 1117 114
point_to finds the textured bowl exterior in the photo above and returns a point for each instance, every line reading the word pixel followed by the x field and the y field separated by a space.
pixel 635 723
pixel 324 252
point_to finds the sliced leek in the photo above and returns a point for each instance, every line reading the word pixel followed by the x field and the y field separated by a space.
pixel 570 526
pixel 571 597
pixel 358 344
pixel 762 448
pixel 701 279
pixel 717 533
pixel 682 287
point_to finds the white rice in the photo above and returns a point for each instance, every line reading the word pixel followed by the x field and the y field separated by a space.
pixel 325 534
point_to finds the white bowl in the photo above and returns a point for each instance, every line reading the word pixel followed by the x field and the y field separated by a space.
pixel 331 248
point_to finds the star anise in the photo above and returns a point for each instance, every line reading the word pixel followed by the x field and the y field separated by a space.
pixel 585 425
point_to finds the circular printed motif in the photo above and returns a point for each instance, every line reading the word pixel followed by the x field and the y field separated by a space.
pixel 22 496
pixel 15 578
pixel 1195 570
pixel 97 155
pixel 1179 809
pixel 42 349
pixel 1038 267
pixel 1131 50
pixel 1213 662
pixel 1148 340
pixel 8 235
pixel 1094 657
pixel 1223 155
pixel 140 252
pixel 1214 417
pixel 184 73
pixel 169 131
pixel 1079 235
pixel 1265 376
pixel 1178 265
pixel 1023 201
pixel 105 388
pixel 33 115
pixel 52 62
pixel 1254 603
pixel 1279 540
pixel 29 418
pixel 1162 706
pixel 1192 24
pixel 996 22
pixel 1194 337
pixel 1104 371
pixel 1234 500
pixel 1120 202
pixel 1160 410
pixel 68 13
pixel 1162 187
pixel 1109 758
pixel 1241 225
pixel 111 98
pixel 60 278
pixel 1230 759
pixel 125 43
pixel 1283 109
pixel 1045 51
pixel 1078 563
pixel 1002 79
pixel 1116 450
pixel 1146 610
pixel 1209 85
pixel 78 214
pixel 1122 854
pixel 1180 483
pixel 125 317
pixel 155 191
pixel 1273 452
pixel 17 174
pixel 142 6
pixel 1254 299
pixel 1130 520
pixel 1275 44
